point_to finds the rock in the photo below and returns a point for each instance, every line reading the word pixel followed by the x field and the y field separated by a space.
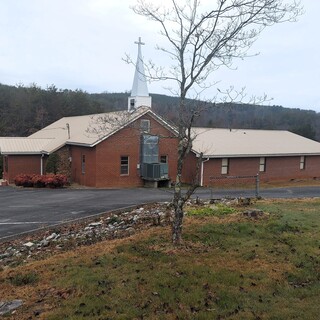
pixel 53 236
pixel 44 243
pixel 130 230
pixel 244 201
pixel 28 244
pixel 8 306
pixel 113 226
pixel 254 213
pixel 95 224
pixel 5 255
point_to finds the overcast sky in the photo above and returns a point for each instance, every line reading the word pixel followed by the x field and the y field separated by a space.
pixel 79 44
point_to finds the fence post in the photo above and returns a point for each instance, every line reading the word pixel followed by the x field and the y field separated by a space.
pixel 257 185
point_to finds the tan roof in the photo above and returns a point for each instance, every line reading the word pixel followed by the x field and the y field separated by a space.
pixel 87 130
pixel 23 145
pixel 242 143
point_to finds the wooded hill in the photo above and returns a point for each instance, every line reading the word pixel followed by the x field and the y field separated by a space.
pixel 24 110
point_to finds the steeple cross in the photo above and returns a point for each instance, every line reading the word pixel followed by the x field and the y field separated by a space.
pixel 139 42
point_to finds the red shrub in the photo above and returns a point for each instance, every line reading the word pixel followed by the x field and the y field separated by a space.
pixel 41 181
pixel 55 180
pixel 23 180
pixel 38 181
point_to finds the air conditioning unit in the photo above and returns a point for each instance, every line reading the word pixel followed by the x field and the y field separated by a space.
pixel 154 171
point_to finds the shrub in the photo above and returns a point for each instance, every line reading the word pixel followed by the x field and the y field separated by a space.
pixel 55 180
pixel 38 181
pixel 41 181
pixel 23 180
pixel 53 163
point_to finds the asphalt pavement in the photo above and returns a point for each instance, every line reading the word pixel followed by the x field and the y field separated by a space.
pixel 25 210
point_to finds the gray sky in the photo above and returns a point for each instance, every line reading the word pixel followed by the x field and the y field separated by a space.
pixel 79 44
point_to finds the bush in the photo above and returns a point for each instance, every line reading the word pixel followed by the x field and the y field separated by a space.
pixel 41 181
pixel 56 180
pixel 38 181
pixel 23 180
pixel 53 163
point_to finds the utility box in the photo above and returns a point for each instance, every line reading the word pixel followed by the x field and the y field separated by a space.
pixel 154 171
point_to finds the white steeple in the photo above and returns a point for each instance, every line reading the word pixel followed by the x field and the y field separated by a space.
pixel 139 93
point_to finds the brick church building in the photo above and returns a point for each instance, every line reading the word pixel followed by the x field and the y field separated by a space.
pixel 137 147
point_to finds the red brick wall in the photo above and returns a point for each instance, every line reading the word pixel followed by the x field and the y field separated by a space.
pixel 109 152
pixel 127 143
pixel 89 176
pixel 286 168
pixel 189 168
pixel 29 164
pixel 277 168
pixel 103 161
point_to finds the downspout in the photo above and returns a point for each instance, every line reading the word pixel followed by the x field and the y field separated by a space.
pixel 41 163
pixel 202 169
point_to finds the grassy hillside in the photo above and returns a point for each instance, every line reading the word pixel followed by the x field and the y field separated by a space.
pixel 229 267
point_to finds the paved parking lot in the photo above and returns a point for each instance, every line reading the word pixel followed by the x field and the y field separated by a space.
pixel 27 209
pixel 23 210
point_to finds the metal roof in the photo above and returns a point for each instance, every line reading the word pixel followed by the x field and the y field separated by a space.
pixel 225 143
pixel 87 130
pixel 23 145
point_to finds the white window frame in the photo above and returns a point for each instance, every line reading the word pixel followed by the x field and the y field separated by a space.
pixel 302 162
pixel 262 164
pixel 224 166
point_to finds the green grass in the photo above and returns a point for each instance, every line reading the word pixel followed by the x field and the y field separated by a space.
pixel 237 268
pixel 29 278
pixel 213 210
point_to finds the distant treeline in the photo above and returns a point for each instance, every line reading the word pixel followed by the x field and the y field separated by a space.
pixel 24 110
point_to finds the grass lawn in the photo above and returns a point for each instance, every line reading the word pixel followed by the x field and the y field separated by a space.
pixel 229 267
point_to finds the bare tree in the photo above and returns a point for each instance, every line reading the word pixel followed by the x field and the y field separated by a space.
pixel 202 37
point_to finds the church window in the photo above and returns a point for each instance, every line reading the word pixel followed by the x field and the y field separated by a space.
pixel 225 166
pixel 145 125
pixel 302 162
pixel 83 164
pixel 124 165
pixel 262 164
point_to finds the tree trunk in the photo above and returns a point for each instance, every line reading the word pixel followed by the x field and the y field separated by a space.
pixel 177 224
pixel 178 199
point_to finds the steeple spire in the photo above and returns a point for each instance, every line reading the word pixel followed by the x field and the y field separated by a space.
pixel 139 93
pixel 139 87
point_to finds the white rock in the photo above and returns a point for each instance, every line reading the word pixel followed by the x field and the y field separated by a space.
pixel 52 236
pixel 44 243
pixel 95 224
pixel 28 244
